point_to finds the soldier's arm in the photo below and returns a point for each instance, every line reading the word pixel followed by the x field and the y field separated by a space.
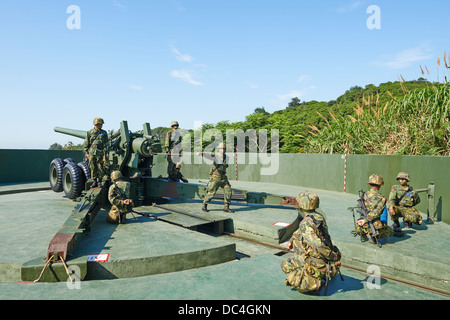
pixel 392 199
pixel 310 235
pixel 167 142
pixel 87 143
pixel 376 212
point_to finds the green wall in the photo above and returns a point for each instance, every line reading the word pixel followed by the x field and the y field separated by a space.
pixel 21 165
pixel 323 171
pixel 319 171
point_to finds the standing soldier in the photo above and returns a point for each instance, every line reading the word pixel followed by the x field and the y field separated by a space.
pixel 95 147
pixel 315 257
pixel 218 179
pixel 401 201
pixel 375 203
pixel 119 197
pixel 173 137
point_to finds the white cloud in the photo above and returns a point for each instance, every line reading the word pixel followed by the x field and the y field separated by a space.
pixel 290 95
pixel 185 75
pixel 349 7
pixel 406 58
pixel 136 87
pixel 180 56
pixel 303 77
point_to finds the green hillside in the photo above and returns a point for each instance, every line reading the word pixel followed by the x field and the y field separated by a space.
pixel 384 119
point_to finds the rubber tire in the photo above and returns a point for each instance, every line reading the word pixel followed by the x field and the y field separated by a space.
pixel 67 160
pixel 86 170
pixel 72 180
pixel 55 174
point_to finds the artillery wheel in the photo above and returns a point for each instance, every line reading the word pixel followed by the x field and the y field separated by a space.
pixel 72 180
pixel 55 174
pixel 86 171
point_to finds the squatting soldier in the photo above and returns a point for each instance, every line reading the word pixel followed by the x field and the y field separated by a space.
pixel 375 203
pixel 218 179
pixel 315 257
pixel 119 197
pixel 95 147
pixel 178 175
pixel 173 137
pixel 401 201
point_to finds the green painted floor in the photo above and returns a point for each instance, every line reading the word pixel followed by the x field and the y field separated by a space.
pixel 29 220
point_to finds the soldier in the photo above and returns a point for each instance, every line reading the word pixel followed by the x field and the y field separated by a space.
pixel 173 137
pixel 119 197
pixel 401 201
pixel 218 179
pixel 178 175
pixel 95 147
pixel 375 202
pixel 315 257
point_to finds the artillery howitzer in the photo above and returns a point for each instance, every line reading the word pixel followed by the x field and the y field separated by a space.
pixel 130 153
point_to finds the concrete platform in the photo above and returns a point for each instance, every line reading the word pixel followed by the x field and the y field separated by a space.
pixel 420 257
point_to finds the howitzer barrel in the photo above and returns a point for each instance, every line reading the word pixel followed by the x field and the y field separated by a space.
pixel 71 132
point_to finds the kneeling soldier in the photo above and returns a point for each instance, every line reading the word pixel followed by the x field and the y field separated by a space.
pixel 375 204
pixel 315 257
pixel 401 201
pixel 119 197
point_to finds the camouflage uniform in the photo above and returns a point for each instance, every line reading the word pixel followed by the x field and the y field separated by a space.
pixel 375 202
pixel 95 146
pixel 218 179
pixel 315 257
pixel 403 207
pixel 173 137
pixel 117 192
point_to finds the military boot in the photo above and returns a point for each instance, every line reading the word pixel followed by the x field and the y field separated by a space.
pixel 94 184
pixel 407 224
pixel 396 228
pixel 205 208
pixel 227 209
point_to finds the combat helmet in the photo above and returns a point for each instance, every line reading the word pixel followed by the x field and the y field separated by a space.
pixel 174 123
pixel 308 201
pixel 116 175
pixel 376 179
pixel 403 175
pixel 98 120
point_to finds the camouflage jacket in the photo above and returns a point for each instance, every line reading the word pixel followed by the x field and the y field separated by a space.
pixel 95 142
pixel 312 238
pixel 375 202
pixel 410 199
pixel 220 166
pixel 173 137
pixel 115 197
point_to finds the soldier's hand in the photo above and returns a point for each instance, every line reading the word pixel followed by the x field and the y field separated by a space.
pixel 127 201
pixel 391 210
pixel 289 245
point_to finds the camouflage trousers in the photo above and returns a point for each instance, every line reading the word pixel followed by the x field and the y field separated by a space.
pixel 171 166
pixel 408 214
pixel 97 167
pixel 214 184
pixel 305 273
pixel 384 231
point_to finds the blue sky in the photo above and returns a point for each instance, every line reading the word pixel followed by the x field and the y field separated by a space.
pixel 198 60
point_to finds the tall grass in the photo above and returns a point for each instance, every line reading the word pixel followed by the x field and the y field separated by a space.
pixel 417 124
